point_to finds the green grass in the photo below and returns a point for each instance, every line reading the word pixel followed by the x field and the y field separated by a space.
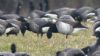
pixel 37 46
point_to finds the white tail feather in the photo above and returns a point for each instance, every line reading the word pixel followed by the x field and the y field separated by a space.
pixel 9 29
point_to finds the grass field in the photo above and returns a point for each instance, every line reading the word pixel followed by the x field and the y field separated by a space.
pixel 37 46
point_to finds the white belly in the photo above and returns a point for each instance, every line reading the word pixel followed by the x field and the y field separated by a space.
pixel 64 28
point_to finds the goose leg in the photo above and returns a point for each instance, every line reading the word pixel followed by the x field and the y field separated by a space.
pixel 66 36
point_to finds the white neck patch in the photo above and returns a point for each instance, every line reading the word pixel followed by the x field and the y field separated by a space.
pixel 97 29
pixel 54 16
pixel 91 14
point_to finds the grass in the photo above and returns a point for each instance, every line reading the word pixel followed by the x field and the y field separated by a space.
pixel 37 46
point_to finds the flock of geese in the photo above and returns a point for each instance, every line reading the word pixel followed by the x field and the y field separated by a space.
pixel 62 20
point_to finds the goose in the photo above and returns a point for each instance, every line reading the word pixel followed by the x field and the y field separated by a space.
pixel 16 27
pixel 39 25
pixel 70 52
pixel 83 13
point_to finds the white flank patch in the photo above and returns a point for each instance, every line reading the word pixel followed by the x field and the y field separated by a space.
pixel 25 19
pixel 64 28
pixel 45 29
pixel 54 20
pixel 14 25
pixel 53 16
pixel 46 19
pixel 9 29
pixel 91 14
pixel 97 29
pixel 78 29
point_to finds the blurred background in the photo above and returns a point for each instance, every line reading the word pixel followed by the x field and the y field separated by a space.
pixel 9 6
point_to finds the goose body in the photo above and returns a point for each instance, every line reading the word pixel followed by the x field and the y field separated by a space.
pixel 64 28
